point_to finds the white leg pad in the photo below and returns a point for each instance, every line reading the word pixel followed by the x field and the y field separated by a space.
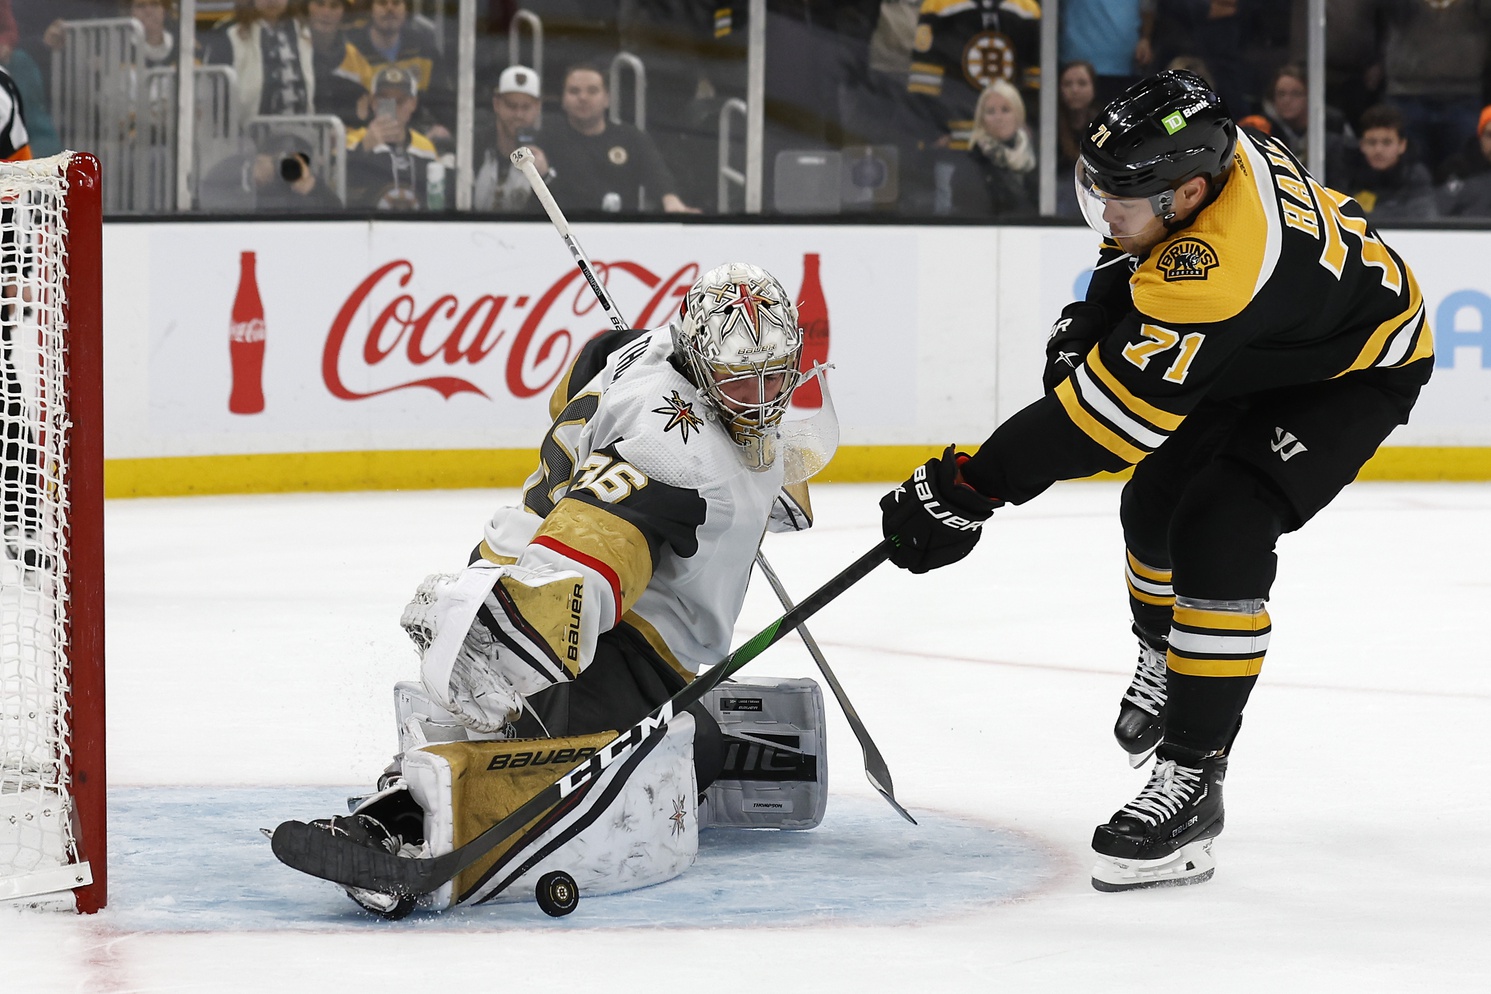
pixel 776 757
pixel 636 825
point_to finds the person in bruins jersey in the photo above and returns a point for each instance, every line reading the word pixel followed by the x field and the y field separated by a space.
pixel 1247 342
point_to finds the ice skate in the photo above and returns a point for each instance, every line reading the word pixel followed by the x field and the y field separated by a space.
pixel 1141 713
pixel 369 831
pixel 1164 836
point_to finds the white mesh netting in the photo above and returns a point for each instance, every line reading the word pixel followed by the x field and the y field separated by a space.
pixel 35 824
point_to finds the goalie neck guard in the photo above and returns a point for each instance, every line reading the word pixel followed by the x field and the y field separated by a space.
pixel 737 337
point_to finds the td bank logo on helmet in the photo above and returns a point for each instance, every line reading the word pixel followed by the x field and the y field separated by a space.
pixel 1173 122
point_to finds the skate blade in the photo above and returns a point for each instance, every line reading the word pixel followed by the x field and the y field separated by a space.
pixel 1138 759
pixel 1190 864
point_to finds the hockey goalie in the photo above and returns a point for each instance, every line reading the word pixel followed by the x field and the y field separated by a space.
pixel 618 577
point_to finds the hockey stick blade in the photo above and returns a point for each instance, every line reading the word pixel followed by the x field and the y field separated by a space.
pixel 876 770
pixel 321 854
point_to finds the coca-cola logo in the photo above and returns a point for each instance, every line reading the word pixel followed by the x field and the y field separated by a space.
pixel 449 336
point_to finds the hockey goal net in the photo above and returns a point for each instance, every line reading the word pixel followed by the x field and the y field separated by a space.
pixel 52 815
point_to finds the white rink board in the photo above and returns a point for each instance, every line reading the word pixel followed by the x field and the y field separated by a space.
pixel 936 333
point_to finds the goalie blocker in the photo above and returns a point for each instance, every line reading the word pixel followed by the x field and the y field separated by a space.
pixel 635 825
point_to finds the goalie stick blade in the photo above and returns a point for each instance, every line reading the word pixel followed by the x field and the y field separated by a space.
pixel 319 853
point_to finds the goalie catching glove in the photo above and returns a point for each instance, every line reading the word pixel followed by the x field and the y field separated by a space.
pixel 1073 335
pixel 934 518
pixel 491 635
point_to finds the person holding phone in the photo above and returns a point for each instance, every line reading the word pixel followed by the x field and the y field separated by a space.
pixel 390 166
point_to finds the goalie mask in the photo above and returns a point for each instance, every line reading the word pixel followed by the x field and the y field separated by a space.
pixel 737 337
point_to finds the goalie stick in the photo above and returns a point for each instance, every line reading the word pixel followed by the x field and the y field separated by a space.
pixel 875 768
pixel 321 854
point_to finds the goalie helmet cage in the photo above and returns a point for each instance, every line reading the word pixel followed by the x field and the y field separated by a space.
pixel 52 777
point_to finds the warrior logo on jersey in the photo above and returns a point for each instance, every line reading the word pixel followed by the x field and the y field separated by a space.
pixel 1187 259
pixel 988 56
pixel 680 415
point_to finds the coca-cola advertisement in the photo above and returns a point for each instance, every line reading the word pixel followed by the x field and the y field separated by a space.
pixel 359 337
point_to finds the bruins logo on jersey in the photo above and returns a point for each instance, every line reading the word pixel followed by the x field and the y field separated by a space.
pixel 617 155
pixel 680 415
pixel 1187 259
pixel 988 56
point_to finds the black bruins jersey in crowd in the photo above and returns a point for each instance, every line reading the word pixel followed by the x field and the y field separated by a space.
pixel 1278 282
pixel 961 46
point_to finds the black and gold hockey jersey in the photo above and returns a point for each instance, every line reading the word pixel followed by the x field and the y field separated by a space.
pixel 645 496
pixel 1278 282
pixel 961 46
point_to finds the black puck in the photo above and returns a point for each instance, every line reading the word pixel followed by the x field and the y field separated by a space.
pixel 557 893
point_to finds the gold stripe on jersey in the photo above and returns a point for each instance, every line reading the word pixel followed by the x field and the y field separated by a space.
pixel 612 540
pixel 1148 584
pixel 1399 340
pixel 925 78
pixel 655 639
pixel 1094 429
pixel 492 556
pixel 944 8
pixel 560 398
pixel 1208 640
pixel 1163 420
pixel 1242 230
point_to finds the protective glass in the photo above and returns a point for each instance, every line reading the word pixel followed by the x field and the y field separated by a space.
pixel 1117 217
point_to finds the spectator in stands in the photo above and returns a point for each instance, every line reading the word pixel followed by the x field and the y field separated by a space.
pixel 341 72
pixel 1353 53
pixel 1465 185
pixel 1076 108
pixel 1212 31
pixel 1385 178
pixel 285 181
pixel 392 37
pixel 1114 36
pixel 269 48
pixel 599 165
pixel 999 177
pixel 1433 57
pixel 390 166
pixel 1286 111
pixel 515 105
pixel 160 44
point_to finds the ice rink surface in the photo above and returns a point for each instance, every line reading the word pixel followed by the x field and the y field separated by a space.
pixel 253 644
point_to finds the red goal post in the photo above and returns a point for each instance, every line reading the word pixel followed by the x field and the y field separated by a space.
pixel 53 819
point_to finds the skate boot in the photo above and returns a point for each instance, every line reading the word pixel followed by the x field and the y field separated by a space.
pixel 1164 836
pixel 1141 713
pixel 369 831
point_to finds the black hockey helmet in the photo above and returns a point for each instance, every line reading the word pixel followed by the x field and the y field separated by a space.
pixel 1157 134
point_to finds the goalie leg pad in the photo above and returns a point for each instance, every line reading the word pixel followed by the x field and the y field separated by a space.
pixel 634 825
pixel 776 759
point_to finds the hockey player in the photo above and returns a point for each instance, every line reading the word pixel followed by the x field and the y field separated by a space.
pixel 1247 342
pixel 622 571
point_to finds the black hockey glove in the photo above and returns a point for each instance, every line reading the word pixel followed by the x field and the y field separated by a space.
pixel 1073 335
pixel 934 518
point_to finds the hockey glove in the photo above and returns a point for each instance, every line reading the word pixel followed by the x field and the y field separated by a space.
pixel 1072 337
pixel 934 518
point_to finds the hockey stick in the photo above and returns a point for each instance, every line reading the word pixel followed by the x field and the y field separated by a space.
pixel 522 159
pixel 321 854
pixel 875 768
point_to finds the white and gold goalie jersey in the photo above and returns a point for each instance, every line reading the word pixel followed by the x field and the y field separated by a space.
pixel 645 496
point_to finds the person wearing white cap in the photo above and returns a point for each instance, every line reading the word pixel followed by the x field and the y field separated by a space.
pixel 516 102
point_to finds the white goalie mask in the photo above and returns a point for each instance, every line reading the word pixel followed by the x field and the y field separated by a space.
pixel 737 336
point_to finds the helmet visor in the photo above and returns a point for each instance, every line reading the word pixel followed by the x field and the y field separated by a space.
pixel 1117 217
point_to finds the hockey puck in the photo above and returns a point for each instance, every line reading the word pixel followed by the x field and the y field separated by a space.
pixel 557 893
